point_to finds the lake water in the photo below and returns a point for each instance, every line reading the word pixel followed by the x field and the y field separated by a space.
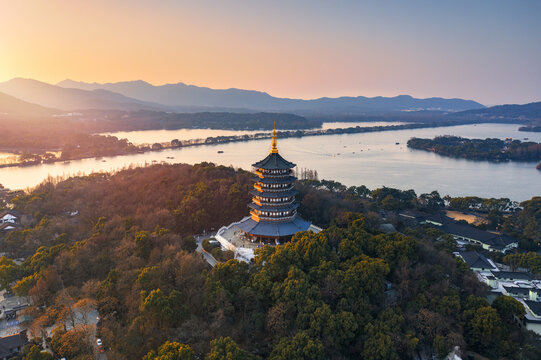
pixel 343 124
pixel 161 136
pixel 372 159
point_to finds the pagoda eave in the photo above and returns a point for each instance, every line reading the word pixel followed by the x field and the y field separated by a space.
pixel 276 194
pixel 273 229
pixel 283 208
pixel 279 180
pixel 274 161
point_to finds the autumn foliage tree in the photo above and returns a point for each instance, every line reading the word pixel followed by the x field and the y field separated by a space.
pixel 349 291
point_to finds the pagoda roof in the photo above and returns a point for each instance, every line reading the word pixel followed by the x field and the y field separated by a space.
pixel 273 228
pixel 274 194
pixel 277 180
pixel 274 161
pixel 287 207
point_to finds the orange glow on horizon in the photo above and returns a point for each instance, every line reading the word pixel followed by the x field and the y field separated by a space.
pixel 288 49
pixel 89 41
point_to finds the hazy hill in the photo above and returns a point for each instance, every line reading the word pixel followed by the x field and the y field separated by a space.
pixel 530 111
pixel 10 105
pixel 53 96
pixel 182 95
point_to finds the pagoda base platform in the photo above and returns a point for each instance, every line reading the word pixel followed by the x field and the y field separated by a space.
pixel 273 230
pixel 233 238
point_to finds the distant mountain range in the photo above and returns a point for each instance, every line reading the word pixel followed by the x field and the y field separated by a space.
pixel 169 106
pixel 57 97
pixel 530 111
pixel 181 96
pixel 31 97
pixel 69 95
pixel 10 105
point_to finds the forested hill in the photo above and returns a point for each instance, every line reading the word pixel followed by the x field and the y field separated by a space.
pixel 10 105
pixel 478 149
pixel 122 243
pixel 531 111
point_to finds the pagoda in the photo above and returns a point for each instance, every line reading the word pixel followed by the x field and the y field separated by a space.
pixel 273 208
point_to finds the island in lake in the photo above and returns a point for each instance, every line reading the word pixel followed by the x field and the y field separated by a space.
pixel 478 149
pixel 530 128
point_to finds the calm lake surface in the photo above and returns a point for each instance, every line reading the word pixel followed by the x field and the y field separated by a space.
pixel 161 136
pixel 372 159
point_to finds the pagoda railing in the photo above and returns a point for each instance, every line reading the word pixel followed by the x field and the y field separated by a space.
pixel 264 174
pixel 278 218
pixel 264 189
pixel 277 203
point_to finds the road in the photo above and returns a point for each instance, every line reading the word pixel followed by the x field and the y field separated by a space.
pixel 208 257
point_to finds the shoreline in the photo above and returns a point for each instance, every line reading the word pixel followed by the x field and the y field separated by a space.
pixel 253 137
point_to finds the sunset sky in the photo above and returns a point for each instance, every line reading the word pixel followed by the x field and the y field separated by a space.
pixel 489 51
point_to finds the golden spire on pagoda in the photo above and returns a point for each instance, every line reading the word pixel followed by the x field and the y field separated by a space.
pixel 274 149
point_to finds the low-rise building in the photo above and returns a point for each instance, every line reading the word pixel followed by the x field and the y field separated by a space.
pixel 9 220
pixel 533 315
pixel 519 292
pixel 9 216
pixel 477 261
pixel 11 345
pixel 463 232
pixel 7 226
pixel 512 276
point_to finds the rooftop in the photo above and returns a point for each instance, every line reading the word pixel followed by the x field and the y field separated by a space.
pixel 9 211
pixel 517 290
pixel 437 218
pixel 274 194
pixel 512 275
pixel 274 161
pixel 476 260
pixel 273 228
pixel 467 231
pixel 273 180
pixel 277 207
pixel 8 226
pixel 448 225
pixel 11 342
pixel 534 306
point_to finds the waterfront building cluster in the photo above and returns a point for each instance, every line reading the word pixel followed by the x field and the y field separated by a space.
pixel 520 285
